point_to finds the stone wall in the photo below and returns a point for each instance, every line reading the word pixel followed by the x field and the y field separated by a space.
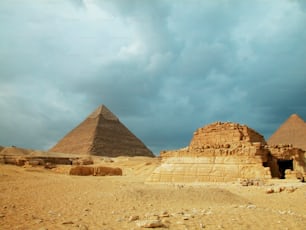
pixel 22 160
pixel 295 158
pixel 214 169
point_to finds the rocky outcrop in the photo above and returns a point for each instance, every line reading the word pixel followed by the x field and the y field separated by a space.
pixel 217 152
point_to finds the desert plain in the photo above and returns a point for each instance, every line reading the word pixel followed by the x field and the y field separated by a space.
pixel 39 198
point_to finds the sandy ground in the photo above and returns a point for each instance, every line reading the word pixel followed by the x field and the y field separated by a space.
pixel 37 198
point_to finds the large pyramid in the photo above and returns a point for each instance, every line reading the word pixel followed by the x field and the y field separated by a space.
pixel 102 134
pixel 292 131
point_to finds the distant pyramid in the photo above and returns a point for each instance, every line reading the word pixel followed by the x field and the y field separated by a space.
pixel 292 131
pixel 102 134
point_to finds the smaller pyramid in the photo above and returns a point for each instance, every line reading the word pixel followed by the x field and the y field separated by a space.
pixel 292 131
pixel 102 134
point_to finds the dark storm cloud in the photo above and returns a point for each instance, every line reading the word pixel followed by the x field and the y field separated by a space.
pixel 164 68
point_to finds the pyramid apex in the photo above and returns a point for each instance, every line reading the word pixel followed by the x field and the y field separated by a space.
pixel 292 131
pixel 103 111
pixel 294 115
pixel 296 118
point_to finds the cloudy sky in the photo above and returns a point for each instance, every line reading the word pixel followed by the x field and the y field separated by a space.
pixel 165 68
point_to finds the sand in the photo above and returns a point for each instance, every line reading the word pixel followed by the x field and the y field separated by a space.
pixel 38 198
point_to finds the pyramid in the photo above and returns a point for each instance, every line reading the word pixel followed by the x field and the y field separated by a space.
pixel 292 131
pixel 102 134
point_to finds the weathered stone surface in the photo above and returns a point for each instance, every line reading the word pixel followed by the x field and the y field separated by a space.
pixel 82 171
pixel 20 156
pixel 292 157
pixel 102 134
pixel 150 224
pixel 83 161
pixel 133 218
pixel 13 160
pixel 107 171
pixel 217 152
pixel 35 162
pixel 201 172
pixel 49 165
pixel 95 171
pixel 21 160
pixel 251 182
pixel 285 151
pixel 225 136
pixel 291 174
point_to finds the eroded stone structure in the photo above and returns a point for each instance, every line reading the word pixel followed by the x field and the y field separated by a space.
pixel 21 156
pixel 217 152
pixel 220 152
pixel 95 171
pixel 285 159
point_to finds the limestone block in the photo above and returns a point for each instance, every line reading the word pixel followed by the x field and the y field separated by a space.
pixel 107 171
pixel 252 171
pixel 81 171
pixel 197 172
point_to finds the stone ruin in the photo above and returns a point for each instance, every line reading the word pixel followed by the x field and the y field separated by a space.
pixel 222 152
pixel 286 161
pixel 95 171
pixel 20 157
